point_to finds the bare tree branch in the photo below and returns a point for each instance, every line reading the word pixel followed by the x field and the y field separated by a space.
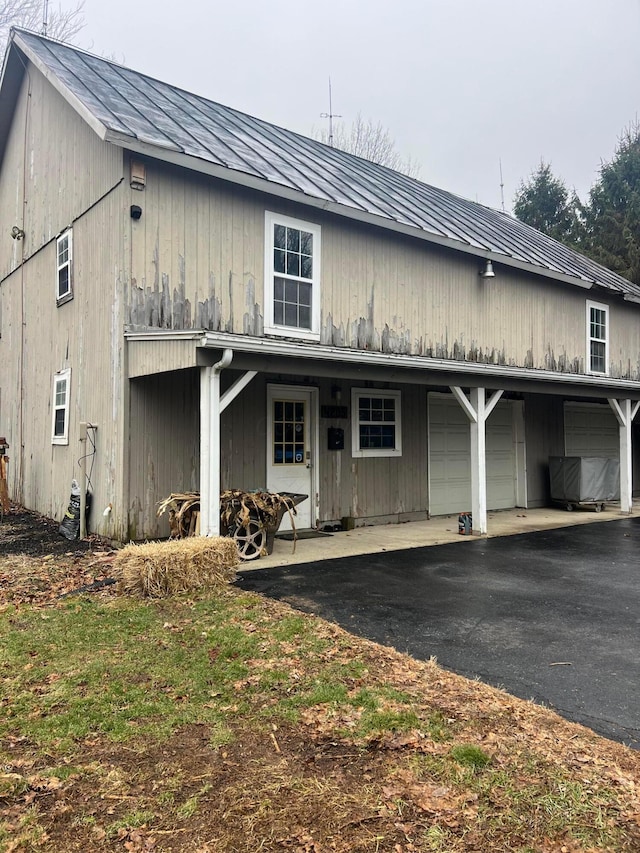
pixel 63 24
pixel 371 142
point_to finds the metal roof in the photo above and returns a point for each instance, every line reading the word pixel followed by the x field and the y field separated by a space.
pixel 142 114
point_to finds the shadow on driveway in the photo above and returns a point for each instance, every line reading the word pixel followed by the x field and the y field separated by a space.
pixel 552 616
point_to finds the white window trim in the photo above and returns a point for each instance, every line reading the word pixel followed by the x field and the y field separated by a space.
pixel 270 327
pixel 356 451
pixel 58 377
pixel 64 297
pixel 600 307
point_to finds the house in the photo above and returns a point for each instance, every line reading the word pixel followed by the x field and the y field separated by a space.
pixel 229 304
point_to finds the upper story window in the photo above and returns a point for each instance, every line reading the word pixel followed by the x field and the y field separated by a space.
pixel 292 277
pixel 60 407
pixel 64 255
pixel 597 337
pixel 376 423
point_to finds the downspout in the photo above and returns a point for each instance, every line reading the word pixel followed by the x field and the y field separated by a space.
pixel 210 445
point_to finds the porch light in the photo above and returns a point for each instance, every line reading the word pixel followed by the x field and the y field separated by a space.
pixel 487 271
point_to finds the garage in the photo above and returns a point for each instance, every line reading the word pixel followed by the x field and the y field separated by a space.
pixel 590 430
pixel 450 456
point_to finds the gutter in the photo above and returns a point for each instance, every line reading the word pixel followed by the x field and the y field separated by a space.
pixel 286 348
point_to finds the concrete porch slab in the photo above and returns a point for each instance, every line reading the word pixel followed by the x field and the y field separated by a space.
pixel 435 531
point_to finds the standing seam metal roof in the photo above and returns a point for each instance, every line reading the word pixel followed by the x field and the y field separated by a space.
pixel 130 104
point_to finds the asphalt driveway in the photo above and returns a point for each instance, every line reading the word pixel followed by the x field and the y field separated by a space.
pixel 552 616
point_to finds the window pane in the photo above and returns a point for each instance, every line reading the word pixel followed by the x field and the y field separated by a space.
pixel 278 260
pixel 306 267
pixel 304 317
pixel 293 240
pixel 597 357
pixel 63 250
pixel 278 313
pixel 61 392
pixel 293 264
pixel 278 410
pixel 299 412
pixel 306 243
pixel 279 236
pixel 59 422
pixel 290 315
pixel 304 294
pixel 278 288
pixel 288 411
pixel 63 281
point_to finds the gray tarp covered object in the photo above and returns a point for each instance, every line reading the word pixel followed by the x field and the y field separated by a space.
pixel 579 479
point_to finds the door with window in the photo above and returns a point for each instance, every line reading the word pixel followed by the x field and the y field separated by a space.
pixel 290 448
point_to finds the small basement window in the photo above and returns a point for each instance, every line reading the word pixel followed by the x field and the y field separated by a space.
pixel 376 422
pixel 61 395
pixel 64 280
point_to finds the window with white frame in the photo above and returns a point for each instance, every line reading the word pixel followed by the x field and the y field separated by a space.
pixel 376 422
pixel 597 337
pixel 60 407
pixel 292 277
pixel 64 256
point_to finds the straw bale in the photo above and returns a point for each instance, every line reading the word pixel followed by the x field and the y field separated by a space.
pixel 157 569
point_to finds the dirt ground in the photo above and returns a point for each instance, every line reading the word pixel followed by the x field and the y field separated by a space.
pixel 290 788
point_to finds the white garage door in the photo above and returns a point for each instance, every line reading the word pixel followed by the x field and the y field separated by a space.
pixel 450 457
pixel 590 430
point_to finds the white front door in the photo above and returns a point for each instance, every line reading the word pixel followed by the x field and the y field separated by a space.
pixel 291 427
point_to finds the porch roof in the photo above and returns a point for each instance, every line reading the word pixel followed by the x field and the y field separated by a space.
pixel 158 350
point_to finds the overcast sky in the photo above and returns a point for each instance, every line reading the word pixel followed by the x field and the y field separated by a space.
pixel 460 84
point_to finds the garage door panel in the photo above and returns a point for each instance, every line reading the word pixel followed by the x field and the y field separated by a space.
pixel 450 457
pixel 590 430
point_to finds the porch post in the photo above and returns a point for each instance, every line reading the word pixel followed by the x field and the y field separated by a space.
pixel 477 409
pixel 625 411
pixel 210 410
pixel 478 462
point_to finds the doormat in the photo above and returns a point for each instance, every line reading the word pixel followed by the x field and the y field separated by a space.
pixel 302 534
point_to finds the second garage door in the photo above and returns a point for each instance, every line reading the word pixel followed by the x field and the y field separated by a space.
pixel 590 430
pixel 450 457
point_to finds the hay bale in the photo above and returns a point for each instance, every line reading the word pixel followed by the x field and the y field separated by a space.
pixel 158 569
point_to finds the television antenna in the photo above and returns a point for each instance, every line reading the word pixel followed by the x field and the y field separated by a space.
pixel 330 115
pixel 45 17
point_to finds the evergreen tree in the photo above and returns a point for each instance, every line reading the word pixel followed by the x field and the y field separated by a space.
pixel 544 202
pixel 612 217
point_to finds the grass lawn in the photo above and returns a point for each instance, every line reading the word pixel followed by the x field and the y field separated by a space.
pixel 228 722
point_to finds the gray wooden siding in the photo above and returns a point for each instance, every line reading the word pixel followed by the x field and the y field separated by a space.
pixel 544 431
pixel 68 170
pixel 84 335
pixel 164 446
pixel 198 263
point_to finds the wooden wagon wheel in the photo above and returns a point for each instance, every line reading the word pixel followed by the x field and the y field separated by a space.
pixel 251 539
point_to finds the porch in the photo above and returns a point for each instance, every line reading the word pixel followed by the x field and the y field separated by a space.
pixel 436 531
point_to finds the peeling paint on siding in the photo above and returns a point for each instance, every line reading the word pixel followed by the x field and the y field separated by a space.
pixel 252 321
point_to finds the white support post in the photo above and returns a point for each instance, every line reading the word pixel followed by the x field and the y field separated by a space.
pixel 625 411
pixel 478 462
pixel 205 447
pixel 478 409
pixel 210 410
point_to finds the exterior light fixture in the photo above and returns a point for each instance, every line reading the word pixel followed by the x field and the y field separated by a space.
pixel 487 271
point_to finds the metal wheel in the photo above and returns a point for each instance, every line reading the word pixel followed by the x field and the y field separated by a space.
pixel 569 507
pixel 250 539
pixel 598 507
